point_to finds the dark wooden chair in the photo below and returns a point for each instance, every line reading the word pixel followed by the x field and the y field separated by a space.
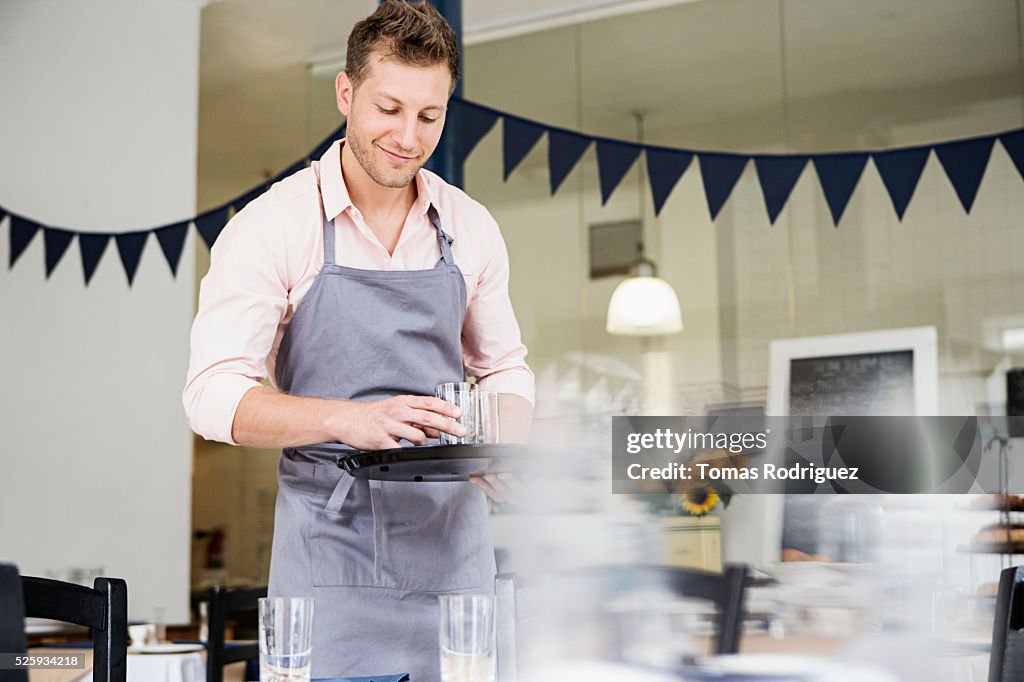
pixel 12 620
pixel 224 604
pixel 1007 660
pixel 726 591
pixel 103 609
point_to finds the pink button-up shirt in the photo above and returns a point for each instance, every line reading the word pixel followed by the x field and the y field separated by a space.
pixel 266 258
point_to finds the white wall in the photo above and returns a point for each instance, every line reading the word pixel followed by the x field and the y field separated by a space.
pixel 98 132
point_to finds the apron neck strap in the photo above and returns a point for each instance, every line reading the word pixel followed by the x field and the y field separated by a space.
pixel 443 239
pixel 328 237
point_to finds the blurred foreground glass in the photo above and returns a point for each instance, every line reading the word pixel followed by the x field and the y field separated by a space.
pixel 466 638
pixel 479 412
pixel 286 639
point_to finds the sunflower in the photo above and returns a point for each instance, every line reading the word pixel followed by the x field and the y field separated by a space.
pixel 699 502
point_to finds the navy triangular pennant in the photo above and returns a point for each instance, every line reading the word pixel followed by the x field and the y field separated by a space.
pixel 564 151
pixel 474 123
pixel 839 175
pixel 172 240
pixel 614 159
pixel 720 173
pixel 518 137
pixel 1013 143
pixel 211 223
pixel 91 246
pixel 55 244
pixel 901 170
pixel 22 231
pixel 664 168
pixel 778 175
pixel 964 163
pixel 129 246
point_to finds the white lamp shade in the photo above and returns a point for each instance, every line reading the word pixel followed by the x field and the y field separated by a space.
pixel 644 306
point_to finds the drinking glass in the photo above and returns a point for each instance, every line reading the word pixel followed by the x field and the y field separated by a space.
pixel 286 638
pixel 466 638
pixel 462 395
pixel 487 430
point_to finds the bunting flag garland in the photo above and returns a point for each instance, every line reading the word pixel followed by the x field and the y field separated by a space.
pixel 721 172
pixel 211 223
pixel 839 175
pixel 900 170
pixel 664 168
pixel 778 175
pixel 518 138
pixel 55 244
pixel 1013 143
pixel 614 159
pixel 472 125
pixel 129 246
pixel 91 247
pixel 22 231
pixel 564 151
pixel 172 241
pixel 963 161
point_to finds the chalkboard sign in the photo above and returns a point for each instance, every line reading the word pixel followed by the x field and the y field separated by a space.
pixel 867 384
pixel 883 372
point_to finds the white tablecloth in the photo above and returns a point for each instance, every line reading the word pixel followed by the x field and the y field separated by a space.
pixel 190 667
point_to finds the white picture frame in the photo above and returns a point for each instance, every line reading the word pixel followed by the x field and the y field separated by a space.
pixel 767 512
pixel 922 341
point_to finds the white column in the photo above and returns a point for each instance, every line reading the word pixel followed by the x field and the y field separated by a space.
pixel 98 120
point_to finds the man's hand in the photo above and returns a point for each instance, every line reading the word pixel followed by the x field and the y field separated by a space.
pixel 381 424
pixel 499 487
pixel 266 418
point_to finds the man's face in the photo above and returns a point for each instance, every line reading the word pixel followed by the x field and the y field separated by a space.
pixel 395 117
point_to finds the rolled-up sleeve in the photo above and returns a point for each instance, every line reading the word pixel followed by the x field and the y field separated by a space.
pixel 242 300
pixel 492 345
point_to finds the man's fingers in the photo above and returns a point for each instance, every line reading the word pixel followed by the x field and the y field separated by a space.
pixel 435 421
pixel 484 485
pixel 436 405
pixel 409 433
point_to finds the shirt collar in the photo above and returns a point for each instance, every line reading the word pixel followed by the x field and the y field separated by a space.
pixel 335 194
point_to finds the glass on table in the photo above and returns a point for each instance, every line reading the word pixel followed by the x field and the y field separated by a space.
pixel 466 638
pixel 286 638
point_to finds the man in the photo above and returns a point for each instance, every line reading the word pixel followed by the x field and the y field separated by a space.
pixel 359 284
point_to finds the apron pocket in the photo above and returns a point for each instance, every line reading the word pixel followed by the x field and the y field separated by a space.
pixel 435 537
pixel 341 539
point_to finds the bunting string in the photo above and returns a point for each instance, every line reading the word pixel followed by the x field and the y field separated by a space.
pixel 964 162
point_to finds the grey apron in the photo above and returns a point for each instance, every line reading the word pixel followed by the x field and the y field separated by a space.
pixel 375 555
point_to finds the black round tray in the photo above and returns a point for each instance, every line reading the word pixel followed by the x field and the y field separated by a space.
pixel 435 463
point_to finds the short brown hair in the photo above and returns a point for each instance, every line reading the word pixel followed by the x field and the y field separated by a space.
pixel 412 33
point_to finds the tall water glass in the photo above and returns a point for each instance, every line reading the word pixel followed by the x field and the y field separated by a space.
pixel 462 395
pixel 466 638
pixel 286 638
pixel 487 417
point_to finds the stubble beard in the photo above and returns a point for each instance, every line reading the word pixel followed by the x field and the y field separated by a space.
pixel 375 168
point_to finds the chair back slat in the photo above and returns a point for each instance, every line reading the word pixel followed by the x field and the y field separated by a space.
pixel 12 620
pixel 1007 660
pixel 224 603
pixel 103 609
